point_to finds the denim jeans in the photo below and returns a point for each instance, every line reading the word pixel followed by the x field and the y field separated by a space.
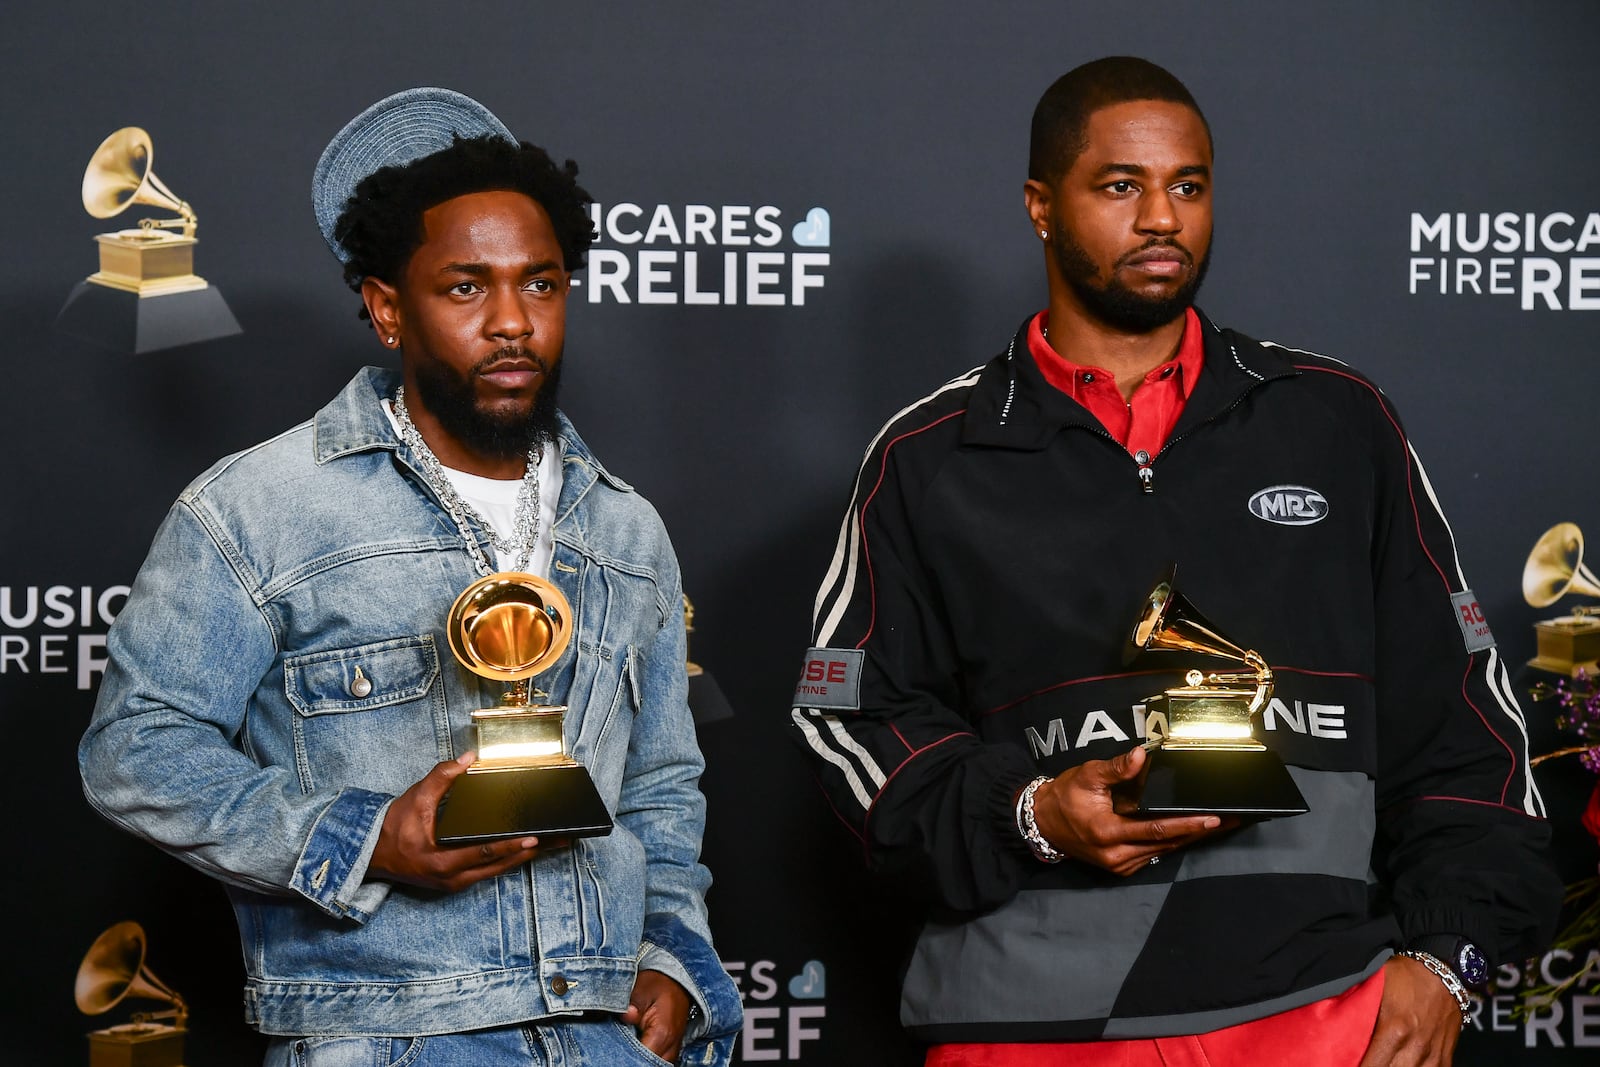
pixel 599 1043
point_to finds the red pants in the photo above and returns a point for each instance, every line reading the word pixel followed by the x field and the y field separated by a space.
pixel 1328 1033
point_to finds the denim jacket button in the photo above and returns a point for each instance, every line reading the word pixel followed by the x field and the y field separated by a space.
pixel 361 686
pixel 558 985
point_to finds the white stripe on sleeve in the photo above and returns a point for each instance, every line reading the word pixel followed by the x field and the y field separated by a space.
pixel 821 748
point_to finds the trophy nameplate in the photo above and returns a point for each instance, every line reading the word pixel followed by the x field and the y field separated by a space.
pixel 509 627
pixel 1205 758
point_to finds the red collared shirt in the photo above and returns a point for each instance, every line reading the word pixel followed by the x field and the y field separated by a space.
pixel 1144 423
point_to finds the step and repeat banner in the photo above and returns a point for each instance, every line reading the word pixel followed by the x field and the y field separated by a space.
pixel 809 214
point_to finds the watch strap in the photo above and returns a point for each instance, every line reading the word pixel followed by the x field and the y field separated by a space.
pixel 1457 953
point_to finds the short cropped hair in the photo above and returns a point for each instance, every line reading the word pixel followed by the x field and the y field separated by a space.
pixel 381 225
pixel 1061 120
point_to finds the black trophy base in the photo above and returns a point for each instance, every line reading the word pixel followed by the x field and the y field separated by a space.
pixel 706 700
pixel 1249 784
pixel 126 322
pixel 556 802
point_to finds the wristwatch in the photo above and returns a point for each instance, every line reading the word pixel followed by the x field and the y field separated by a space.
pixel 1460 955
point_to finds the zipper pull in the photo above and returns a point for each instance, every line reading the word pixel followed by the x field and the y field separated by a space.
pixel 1147 473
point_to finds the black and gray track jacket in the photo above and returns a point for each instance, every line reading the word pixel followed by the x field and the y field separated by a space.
pixel 969 637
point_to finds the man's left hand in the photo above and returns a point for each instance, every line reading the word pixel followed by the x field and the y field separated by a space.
pixel 659 1009
pixel 1418 1021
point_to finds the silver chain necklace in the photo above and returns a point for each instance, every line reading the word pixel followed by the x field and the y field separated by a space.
pixel 525 533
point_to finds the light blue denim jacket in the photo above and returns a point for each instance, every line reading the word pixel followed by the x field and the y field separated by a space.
pixel 227 733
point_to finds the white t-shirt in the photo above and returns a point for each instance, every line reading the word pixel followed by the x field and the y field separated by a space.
pixel 496 501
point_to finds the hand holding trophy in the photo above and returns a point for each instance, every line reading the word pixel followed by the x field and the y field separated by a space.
pixel 1207 758
pixel 509 627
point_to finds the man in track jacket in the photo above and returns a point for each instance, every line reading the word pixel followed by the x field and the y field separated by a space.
pixel 972 720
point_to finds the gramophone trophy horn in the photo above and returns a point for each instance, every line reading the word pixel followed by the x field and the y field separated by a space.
pixel 119 176
pixel 113 971
pixel 1555 568
pixel 509 627
pixel 1203 753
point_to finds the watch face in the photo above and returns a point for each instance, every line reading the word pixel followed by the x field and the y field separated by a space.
pixel 1471 966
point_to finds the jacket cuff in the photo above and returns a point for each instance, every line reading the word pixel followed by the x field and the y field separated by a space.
pixel 331 869
pixel 688 959
pixel 1442 919
pixel 1003 815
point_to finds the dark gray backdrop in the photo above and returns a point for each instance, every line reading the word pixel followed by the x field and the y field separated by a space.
pixel 744 423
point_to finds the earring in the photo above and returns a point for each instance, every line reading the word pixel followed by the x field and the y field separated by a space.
pixel 1044 234
pixel 392 340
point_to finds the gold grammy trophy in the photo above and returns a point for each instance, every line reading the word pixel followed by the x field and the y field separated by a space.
pixel 509 627
pixel 706 700
pixel 152 259
pixel 112 971
pixel 694 669
pixel 146 295
pixel 1567 643
pixel 1203 756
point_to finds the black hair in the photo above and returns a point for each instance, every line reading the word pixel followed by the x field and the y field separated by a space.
pixel 381 225
pixel 1061 119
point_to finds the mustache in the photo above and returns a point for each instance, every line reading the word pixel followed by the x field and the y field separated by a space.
pixel 511 354
pixel 1157 242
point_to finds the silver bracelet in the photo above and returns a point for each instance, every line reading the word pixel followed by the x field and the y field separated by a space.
pixel 1448 977
pixel 1028 827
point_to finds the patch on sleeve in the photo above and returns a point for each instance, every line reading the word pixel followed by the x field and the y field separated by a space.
pixel 1469 616
pixel 831 678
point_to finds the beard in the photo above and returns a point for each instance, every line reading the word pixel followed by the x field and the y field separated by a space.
pixel 452 399
pixel 1113 302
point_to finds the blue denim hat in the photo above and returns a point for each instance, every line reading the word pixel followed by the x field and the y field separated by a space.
pixel 396 130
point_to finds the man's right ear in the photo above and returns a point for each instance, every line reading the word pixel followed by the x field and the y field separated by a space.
pixel 383 305
pixel 1036 198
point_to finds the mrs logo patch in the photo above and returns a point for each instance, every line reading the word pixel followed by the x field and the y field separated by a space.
pixel 1289 505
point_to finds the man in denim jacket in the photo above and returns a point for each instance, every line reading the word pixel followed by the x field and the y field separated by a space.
pixel 281 709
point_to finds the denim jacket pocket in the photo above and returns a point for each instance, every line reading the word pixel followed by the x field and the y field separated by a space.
pixel 373 715
pixel 620 713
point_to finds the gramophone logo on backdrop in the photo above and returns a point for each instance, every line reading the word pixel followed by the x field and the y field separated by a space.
pixel 705 255
pixel 58 629
pixel 1544 261
pixel 146 295
pixel 114 971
